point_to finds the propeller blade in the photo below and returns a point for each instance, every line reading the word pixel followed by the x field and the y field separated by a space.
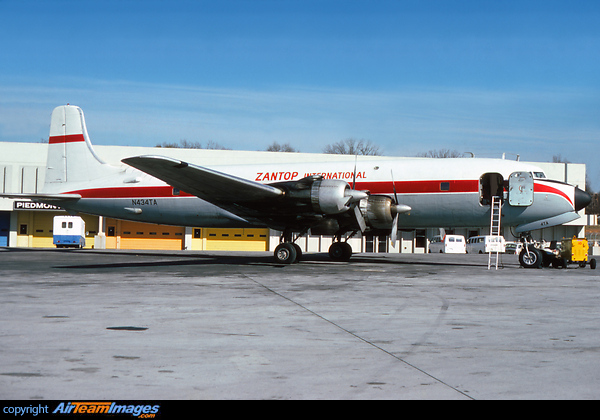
pixel 360 219
pixel 394 186
pixel 394 234
pixel 354 173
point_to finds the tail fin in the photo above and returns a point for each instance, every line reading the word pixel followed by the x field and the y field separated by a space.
pixel 71 157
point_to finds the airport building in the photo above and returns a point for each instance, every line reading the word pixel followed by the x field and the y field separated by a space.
pixel 27 224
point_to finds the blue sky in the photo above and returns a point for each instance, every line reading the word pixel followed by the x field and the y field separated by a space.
pixel 488 77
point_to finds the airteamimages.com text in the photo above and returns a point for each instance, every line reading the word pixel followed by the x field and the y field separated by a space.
pixel 142 411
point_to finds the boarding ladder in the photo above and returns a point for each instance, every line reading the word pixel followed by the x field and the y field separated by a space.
pixel 495 216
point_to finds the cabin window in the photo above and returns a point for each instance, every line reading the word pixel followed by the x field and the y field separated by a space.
pixel 444 186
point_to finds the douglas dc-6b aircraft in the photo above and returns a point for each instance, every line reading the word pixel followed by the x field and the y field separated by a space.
pixel 339 199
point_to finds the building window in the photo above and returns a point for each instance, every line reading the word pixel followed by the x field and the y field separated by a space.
pixel 197 233
pixel 23 230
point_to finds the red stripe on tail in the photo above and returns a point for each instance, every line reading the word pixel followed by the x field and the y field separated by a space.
pixel 70 138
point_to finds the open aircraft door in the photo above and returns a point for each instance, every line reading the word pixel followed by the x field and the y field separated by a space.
pixel 520 189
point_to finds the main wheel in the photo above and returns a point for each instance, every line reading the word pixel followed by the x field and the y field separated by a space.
pixel 531 259
pixel 298 252
pixel 340 251
pixel 285 253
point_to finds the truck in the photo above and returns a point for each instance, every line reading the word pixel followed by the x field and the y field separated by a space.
pixel 68 232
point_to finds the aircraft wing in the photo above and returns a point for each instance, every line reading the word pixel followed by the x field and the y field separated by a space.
pixel 210 185
pixel 279 205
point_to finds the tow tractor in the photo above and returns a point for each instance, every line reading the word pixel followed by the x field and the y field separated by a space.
pixel 569 251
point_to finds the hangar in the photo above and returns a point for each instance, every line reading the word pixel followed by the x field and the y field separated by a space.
pixel 27 224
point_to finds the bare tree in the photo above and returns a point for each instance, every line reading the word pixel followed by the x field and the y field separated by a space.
pixel 559 159
pixel 276 147
pixel 441 154
pixel 352 146
pixel 184 144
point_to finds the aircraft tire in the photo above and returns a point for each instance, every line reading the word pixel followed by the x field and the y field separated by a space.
pixel 533 259
pixel 298 252
pixel 340 251
pixel 593 263
pixel 285 253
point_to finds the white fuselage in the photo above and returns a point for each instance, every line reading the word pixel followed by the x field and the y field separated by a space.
pixel 440 192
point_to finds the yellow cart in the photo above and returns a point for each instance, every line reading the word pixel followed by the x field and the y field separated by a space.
pixel 575 250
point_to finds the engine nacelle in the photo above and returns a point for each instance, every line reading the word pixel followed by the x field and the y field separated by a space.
pixel 330 196
pixel 379 211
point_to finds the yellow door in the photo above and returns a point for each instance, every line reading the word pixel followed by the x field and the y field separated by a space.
pixel 236 239
pixel 134 235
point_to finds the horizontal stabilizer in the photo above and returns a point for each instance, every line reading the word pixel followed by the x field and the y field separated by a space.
pixel 42 197
pixel 552 221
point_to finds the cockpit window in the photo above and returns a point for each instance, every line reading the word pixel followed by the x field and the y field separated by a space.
pixel 539 175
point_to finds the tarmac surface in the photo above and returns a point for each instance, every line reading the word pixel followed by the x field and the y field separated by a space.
pixel 101 325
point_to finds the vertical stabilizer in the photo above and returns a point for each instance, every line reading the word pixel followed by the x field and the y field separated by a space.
pixel 71 157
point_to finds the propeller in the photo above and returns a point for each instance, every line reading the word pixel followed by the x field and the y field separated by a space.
pixel 357 213
pixel 394 233
pixel 354 173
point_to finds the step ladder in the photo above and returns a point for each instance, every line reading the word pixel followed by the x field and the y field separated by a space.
pixel 495 216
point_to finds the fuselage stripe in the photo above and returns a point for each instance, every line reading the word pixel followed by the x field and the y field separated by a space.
pixel 69 138
pixel 542 188
pixel 384 187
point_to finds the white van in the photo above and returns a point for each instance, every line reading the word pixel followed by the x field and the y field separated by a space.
pixel 485 244
pixel 448 244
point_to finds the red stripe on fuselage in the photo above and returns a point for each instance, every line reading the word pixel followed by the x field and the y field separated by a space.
pixel 420 187
pixel 130 192
pixel 543 188
pixel 404 187
pixel 70 138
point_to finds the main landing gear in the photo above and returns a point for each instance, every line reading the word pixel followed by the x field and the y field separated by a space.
pixel 340 251
pixel 288 252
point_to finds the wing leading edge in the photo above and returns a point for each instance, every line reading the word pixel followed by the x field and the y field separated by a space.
pixel 210 185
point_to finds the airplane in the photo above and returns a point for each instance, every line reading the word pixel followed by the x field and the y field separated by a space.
pixel 376 197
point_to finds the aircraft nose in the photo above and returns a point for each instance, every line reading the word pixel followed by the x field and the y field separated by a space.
pixel 582 199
